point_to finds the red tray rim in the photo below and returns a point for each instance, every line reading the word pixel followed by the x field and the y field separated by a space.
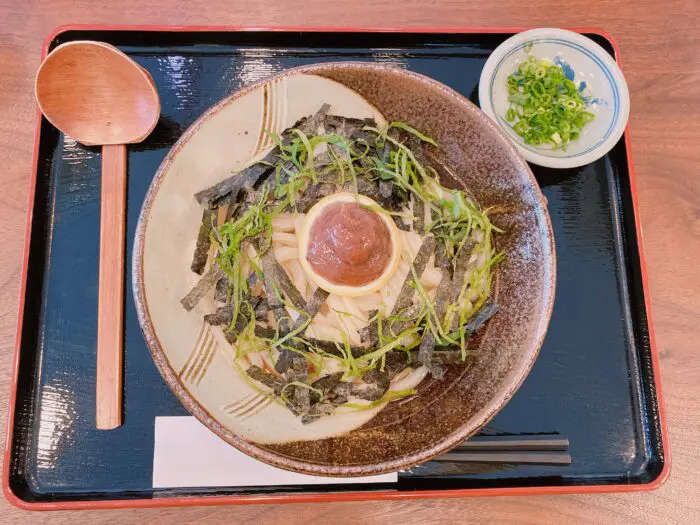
pixel 336 496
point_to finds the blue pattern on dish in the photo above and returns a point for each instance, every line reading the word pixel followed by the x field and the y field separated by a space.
pixel 568 70
pixel 589 99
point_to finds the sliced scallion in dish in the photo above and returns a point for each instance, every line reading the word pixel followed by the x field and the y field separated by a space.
pixel 545 106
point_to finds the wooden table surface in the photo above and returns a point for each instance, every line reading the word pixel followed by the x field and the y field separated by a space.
pixel 660 46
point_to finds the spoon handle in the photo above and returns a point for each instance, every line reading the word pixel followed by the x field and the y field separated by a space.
pixel 110 306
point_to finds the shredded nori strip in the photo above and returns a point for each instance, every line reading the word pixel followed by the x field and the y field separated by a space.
pixel 222 316
pixel 386 189
pixel 316 411
pixel 366 187
pixel 418 215
pixel 311 125
pixel 233 332
pixel 298 398
pixel 441 258
pixel 398 360
pixel 331 348
pixel 370 332
pixel 254 300
pixel 384 152
pixel 334 392
pixel 262 309
pixel 207 282
pixel 401 225
pixel 405 297
pixel 271 181
pixel 245 313
pixel 274 271
pixel 486 312
pixel 201 251
pixel 345 126
pixel 285 360
pixel 327 346
pixel 374 385
pixel 340 393
pixel 365 137
pixel 476 323
pixel 312 307
pixel 233 184
pixel 427 345
pixel 416 146
pixel 461 267
pixel 408 318
pixel 443 357
pixel 325 384
pixel 266 378
pixel 397 204
pixel 222 288
pixel 251 196
pixel 233 209
pixel 313 194
pixel 331 400
pixel 276 306
pixel 434 160
pixel 252 279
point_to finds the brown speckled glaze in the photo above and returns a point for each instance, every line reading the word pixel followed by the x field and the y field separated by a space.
pixel 444 413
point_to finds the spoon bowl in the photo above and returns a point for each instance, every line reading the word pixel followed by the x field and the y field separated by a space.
pixel 96 94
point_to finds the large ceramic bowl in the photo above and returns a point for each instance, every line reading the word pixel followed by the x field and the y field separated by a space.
pixel 196 362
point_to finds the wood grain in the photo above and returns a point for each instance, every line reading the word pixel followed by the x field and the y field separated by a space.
pixel 110 305
pixel 660 46
pixel 96 94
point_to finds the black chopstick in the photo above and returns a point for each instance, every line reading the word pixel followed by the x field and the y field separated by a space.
pixel 538 449
pixel 522 457
pixel 497 442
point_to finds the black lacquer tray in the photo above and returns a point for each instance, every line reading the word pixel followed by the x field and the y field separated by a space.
pixel 595 381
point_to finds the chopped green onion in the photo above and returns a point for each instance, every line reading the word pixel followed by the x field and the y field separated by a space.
pixel 391 395
pixel 413 131
pixel 546 107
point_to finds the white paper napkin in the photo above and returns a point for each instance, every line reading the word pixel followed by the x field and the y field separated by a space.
pixel 188 454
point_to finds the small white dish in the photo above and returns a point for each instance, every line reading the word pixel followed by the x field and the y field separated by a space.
pixel 583 61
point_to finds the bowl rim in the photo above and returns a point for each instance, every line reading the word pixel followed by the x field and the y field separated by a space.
pixel 491 68
pixel 259 452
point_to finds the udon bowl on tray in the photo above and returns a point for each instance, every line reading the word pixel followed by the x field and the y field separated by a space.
pixel 246 382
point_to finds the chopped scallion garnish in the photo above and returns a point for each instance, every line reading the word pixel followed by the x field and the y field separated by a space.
pixel 545 106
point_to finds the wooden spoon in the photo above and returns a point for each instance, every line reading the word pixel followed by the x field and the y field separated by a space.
pixel 99 96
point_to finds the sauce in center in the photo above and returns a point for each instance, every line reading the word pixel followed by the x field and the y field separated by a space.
pixel 349 245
